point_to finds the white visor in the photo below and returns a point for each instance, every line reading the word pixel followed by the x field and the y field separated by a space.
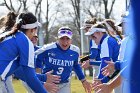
pixel 66 33
pixel 93 30
pixel 60 36
pixel 31 26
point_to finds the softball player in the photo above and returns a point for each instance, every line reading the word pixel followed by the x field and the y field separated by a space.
pixel 51 87
pixel 109 48
pixel 17 50
pixel 62 57
pixel 8 23
pixel 93 49
pixel 115 32
pixel 125 54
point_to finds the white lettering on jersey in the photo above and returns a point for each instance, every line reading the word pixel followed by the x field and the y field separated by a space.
pixel 60 62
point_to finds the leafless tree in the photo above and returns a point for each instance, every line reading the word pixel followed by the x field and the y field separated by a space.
pixel 108 11
pixel 76 8
pixel 97 7
pixel 50 19
pixel 11 7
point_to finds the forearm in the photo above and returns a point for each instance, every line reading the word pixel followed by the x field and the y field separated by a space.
pixel 117 66
pixel 115 82
pixel 96 63
pixel 78 71
pixel 103 64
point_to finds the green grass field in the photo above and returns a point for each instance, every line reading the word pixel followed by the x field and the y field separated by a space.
pixel 76 86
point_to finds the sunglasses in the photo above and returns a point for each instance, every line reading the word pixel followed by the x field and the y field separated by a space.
pixel 65 32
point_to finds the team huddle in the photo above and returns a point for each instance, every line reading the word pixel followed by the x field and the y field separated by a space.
pixel 49 67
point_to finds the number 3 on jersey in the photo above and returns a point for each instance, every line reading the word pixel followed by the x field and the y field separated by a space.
pixel 60 70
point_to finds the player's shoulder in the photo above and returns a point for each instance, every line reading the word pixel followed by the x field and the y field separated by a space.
pixel 50 46
pixel 20 36
pixel 113 41
pixel 46 47
pixel 22 39
pixel 74 48
pixel 109 40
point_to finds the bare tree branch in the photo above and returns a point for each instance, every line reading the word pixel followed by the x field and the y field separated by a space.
pixel 24 5
pixel 76 7
pixel 37 6
pixel 7 5
pixel 107 12
pixel 19 7
pixel 12 6
pixel 113 2
pixel 90 13
pixel 53 21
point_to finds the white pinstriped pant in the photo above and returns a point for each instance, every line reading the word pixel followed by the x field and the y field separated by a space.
pixel 6 86
pixel 63 88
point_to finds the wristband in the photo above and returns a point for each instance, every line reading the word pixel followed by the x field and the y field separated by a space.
pixel 83 80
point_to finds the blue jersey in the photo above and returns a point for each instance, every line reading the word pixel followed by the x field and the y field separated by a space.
pixel 20 74
pixel 17 51
pixel 62 62
pixel 36 47
pixel 109 50
pixel 38 64
pixel 94 51
pixel 12 48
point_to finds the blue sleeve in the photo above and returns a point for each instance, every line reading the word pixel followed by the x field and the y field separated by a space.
pixel 117 66
pixel 26 50
pixel 20 74
pixel 78 71
pixel 103 64
pixel 32 80
pixel 40 54
pixel 42 77
pixel 105 79
pixel 39 62
pixel 90 43
pixel 93 53
pixel 96 63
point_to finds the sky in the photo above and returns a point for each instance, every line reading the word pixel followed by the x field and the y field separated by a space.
pixel 119 8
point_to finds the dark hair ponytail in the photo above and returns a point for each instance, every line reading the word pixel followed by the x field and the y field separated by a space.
pixel 12 32
pixel 91 21
pixel 22 19
pixel 10 20
pixel 112 25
